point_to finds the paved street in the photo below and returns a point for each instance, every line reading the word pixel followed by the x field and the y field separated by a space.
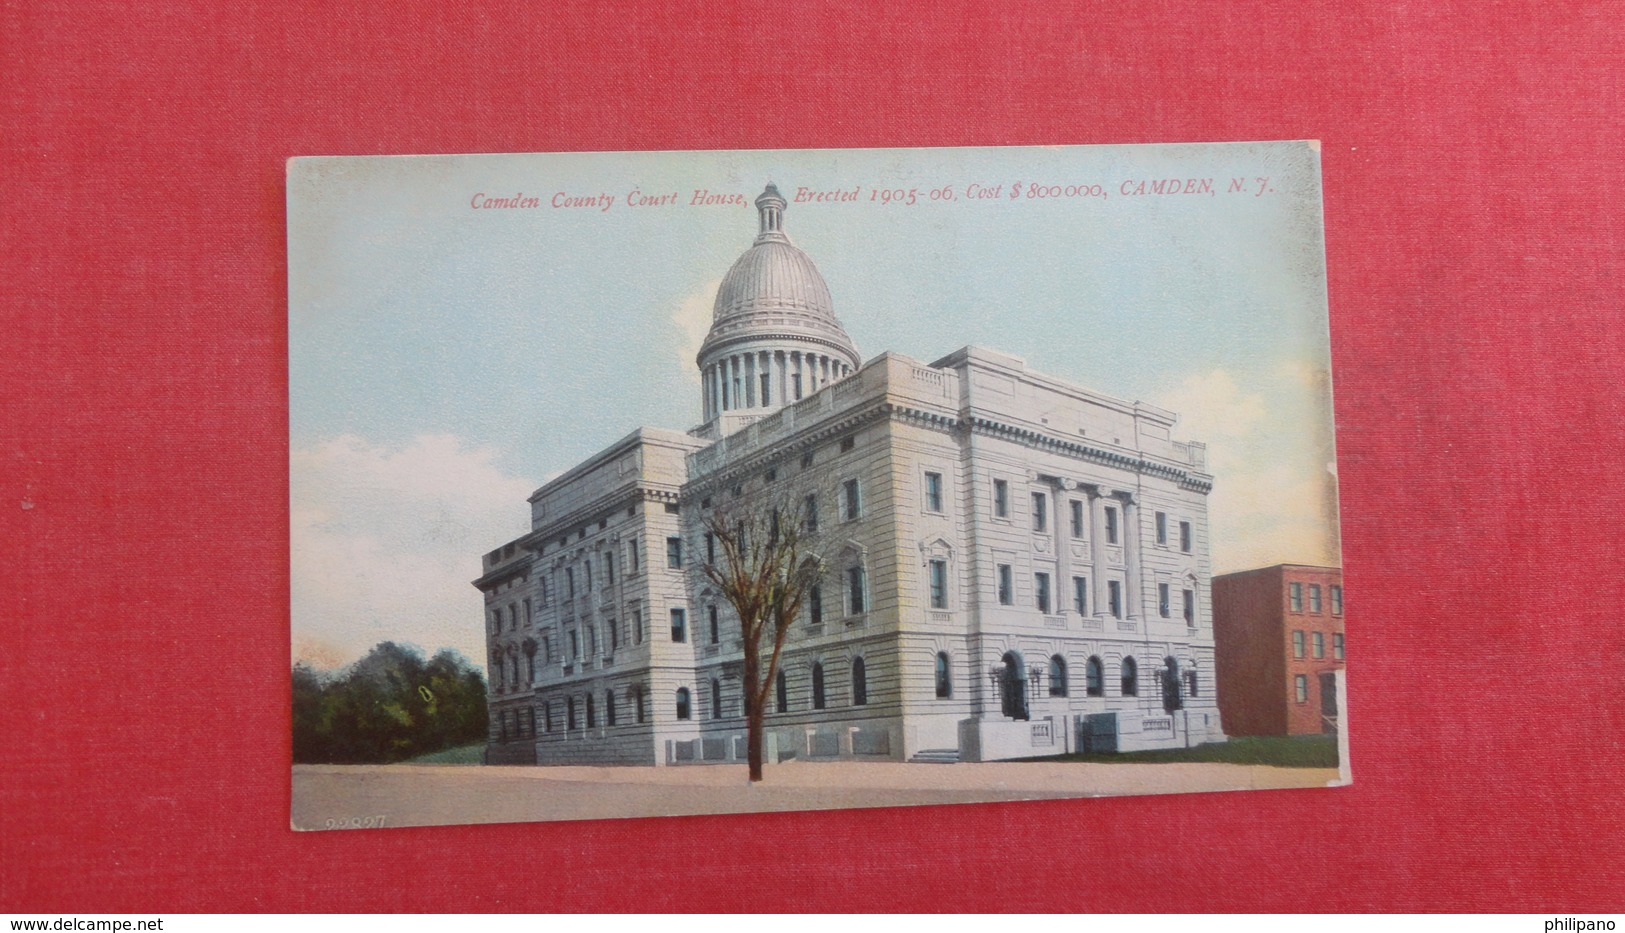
pixel 428 795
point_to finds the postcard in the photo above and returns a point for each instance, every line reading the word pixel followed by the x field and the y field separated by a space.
pixel 667 483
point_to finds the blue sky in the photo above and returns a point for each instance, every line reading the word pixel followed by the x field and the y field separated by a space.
pixel 446 360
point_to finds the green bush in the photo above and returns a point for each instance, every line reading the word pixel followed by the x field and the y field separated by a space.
pixel 389 706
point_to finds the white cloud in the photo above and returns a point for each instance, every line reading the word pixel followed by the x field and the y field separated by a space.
pixel 693 320
pixel 385 541
pixel 1274 498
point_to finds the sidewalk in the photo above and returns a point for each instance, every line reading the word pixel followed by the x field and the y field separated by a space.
pixel 431 795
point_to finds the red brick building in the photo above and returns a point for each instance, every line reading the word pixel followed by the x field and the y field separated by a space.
pixel 1278 634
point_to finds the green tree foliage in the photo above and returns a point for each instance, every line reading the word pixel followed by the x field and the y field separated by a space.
pixel 389 706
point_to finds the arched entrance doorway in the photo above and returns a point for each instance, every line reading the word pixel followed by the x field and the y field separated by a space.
pixel 1012 682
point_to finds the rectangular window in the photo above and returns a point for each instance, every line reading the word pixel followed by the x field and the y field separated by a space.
pixel 851 503
pixel 809 506
pixel 587 566
pixel 1001 499
pixel 529 620
pixel 767 392
pixel 1114 598
pixel 847 443
pixel 1300 686
pixel 1297 644
pixel 1337 645
pixel 939 584
pixel 614 635
pixel 575 645
pixel 1164 601
pixel 815 605
pixel 1080 595
pixel 637 626
pixel 1006 597
pixel 716 631
pixel 674 553
pixel 1041 591
pixel 1318 639
pixel 1162 527
pixel 1077 518
pixel 1314 597
pixel 679 625
pixel 933 492
pixel 1185 537
pixel 547 592
pixel 710 548
pixel 1040 511
pixel 569 583
pixel 854 590
pixel 632 555
pixel 1190 607
pixel 1295 597
pixel 1337 600
pixel 1111 525
pixel 609 570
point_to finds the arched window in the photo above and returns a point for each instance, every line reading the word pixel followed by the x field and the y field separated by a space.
pixel 1095 674
pixel 860 683
pixel 682 703
pixel 1057 676
pixel 782 693
pixel 1131 678
pixel 945 683
pixel 1190 682
pixel 609 707
pixel 716 699
pixel 818 686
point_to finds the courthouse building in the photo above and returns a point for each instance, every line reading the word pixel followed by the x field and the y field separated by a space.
pixel 1280 633
pixel 1016 565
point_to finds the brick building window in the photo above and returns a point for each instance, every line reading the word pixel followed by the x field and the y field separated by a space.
pixel 1300 687
pixel 1320 644
pixel 1295 597
pixel 1337 645
pixel 1297 644
pixel 1314 597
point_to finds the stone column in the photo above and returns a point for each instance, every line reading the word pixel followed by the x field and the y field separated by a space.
pixel 1061 525
pixel 1135 597
pixel 1097 548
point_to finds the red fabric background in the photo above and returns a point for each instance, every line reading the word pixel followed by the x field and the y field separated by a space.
pixel 1474 198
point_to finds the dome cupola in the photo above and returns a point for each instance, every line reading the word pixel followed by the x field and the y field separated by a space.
pixel 774 337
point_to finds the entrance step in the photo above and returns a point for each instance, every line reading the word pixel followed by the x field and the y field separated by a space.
pixel 936 756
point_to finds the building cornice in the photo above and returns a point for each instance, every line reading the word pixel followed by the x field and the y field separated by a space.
pixel 1196 482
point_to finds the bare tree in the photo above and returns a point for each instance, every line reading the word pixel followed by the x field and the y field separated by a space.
pixel 762 557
